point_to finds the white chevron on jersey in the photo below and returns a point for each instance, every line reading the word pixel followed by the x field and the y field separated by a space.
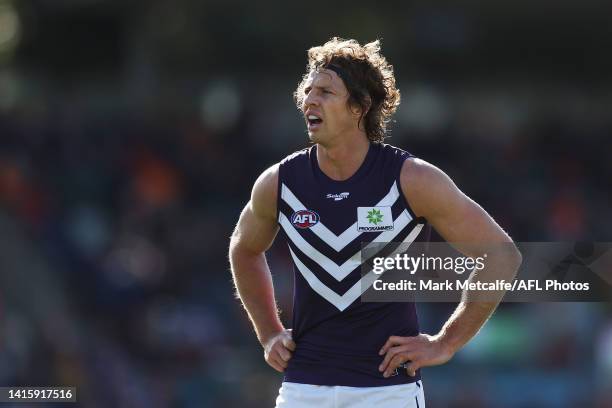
pixel 339 272
pixel 337 242
pixel 341 302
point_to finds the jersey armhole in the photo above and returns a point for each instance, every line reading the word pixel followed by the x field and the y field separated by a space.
pixel 420 220
pixel 279 191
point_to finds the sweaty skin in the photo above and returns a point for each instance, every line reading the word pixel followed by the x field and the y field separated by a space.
pixel 342 147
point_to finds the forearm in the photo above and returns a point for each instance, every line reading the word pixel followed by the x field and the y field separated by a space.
pixel 464 323
pixel 254 286
pixel 476 307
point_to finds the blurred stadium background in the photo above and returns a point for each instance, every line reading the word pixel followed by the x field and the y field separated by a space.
pixel 131 133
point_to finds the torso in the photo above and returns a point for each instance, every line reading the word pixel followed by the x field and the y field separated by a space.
pixel 325 223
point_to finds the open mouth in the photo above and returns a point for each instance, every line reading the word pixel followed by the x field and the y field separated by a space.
pixel 313 120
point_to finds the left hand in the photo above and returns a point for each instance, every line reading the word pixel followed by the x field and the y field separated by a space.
pixel 419 351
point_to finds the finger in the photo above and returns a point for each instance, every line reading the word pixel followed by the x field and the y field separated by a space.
pixel 283 364
pixel 272 363
pixel 392 341
pixel 278 352
pixel 283 353
pixel 275 360
pixel 289 343
pixel 390 354
pixel 411 369
pixel 280 362
pixel 393 364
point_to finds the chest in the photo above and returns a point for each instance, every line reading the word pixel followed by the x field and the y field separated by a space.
pixel 367 208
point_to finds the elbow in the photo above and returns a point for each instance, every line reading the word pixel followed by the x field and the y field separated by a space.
pixel 240 251
pixel 517 257
pixel 506 259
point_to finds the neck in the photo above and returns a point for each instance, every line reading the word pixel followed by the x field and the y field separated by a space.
pixel 340 161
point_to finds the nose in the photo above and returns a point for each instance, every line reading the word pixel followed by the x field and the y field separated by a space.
pixel 311 100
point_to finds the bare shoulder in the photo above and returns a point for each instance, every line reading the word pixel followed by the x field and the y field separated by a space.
pixel 265 192
pixel 420 173
pixel 426 187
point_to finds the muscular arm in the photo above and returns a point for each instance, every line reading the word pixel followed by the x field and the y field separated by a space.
pixel 253 235
pixel 459 220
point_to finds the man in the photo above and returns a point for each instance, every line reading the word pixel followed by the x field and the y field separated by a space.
pixel 342 352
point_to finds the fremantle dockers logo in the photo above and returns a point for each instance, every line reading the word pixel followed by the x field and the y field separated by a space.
pixel 304 218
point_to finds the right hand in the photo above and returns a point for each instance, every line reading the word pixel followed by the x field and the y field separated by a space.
pixel 278 348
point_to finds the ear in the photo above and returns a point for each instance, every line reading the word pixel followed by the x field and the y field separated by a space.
pixel 368 104
pixel 358 111
pixel 355 109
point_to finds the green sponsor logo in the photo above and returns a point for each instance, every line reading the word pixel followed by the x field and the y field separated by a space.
pixel 374 216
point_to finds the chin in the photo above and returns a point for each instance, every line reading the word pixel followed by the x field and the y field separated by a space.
pixel 314 138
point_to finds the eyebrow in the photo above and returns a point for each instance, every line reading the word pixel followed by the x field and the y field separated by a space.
pixel 310 87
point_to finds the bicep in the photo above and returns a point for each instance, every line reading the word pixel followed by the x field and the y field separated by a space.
pixel 254 232
pixel 458 218
pixel 257 226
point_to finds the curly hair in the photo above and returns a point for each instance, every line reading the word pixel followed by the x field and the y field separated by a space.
pixel 368 78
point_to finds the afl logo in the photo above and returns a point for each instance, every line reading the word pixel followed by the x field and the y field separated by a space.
pixel 304 218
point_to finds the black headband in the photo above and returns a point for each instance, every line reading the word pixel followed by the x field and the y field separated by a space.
pixel 348 82
pixel 341 73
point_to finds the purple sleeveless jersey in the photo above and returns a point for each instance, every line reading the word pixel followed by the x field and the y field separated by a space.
pixel 325 223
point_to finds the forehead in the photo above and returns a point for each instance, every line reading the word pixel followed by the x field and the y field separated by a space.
pixel 324 78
